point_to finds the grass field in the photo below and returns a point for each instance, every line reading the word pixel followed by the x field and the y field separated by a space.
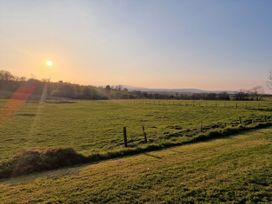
pixel 236 169
pixel 96 126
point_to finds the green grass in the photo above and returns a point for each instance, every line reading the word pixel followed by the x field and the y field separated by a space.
pixel 235 169
pixel 92 127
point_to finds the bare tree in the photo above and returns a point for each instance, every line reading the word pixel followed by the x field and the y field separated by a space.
pixel 6 76
pixel 256 92
pixel 269 82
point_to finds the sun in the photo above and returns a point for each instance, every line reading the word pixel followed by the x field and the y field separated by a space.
pixel 49 63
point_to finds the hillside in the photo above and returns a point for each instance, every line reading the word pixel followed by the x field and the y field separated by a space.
pixel 236 169
pixel 181 90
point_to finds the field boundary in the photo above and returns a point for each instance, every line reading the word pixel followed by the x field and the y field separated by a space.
pixel 38 161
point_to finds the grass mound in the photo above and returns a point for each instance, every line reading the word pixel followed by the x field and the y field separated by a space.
pixel 40 160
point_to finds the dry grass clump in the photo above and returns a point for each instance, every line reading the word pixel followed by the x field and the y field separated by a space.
pixel 40 160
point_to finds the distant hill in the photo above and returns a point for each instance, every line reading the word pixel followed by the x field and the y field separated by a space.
pixel 185 91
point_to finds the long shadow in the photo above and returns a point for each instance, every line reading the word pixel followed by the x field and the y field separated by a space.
pixel 154 156
pixel 260 109
pixel 213 135
pixel 51 174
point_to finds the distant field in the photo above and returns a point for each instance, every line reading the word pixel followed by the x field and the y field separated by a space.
pixel 236 169
pixel 96 126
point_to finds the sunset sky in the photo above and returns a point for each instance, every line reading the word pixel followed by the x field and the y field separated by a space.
pixel 206 44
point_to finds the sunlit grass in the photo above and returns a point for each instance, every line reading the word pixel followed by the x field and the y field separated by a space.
pixel 236 169
pixel 96 126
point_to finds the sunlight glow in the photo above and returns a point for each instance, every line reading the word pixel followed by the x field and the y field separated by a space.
pixel 49 63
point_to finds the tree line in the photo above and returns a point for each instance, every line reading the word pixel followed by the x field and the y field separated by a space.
pixel 9 83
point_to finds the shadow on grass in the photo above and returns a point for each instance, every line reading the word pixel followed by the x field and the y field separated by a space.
pixel 43 160
pixel 50 174
pixel 151 155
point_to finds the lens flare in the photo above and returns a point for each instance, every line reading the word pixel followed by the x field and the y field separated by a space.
pixel 16 101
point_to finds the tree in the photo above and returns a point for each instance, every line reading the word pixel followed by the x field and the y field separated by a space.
pixel 6 76
pixel 256 92
pixel 86 92
pixel 269 82
pixel 108 89
pixel 223 96
pixel 241 95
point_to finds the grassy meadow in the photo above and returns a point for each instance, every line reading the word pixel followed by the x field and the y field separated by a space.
pixel 235 170
pixel 92 127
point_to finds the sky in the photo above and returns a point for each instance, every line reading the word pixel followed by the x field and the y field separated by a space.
pixel 205 44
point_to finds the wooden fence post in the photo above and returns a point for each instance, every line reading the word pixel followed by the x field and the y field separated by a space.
pixel 125 136
pixel 201 127
pixel 240 119
pixel 144 133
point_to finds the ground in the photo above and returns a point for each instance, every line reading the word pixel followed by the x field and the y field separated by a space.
pixel 235 169
pixel 92 127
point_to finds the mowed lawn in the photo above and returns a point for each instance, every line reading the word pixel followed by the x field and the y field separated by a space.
pixel 96 126
pixel 236 169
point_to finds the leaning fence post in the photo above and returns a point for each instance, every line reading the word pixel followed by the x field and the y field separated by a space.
pixel 240 119
pixel 144 133
pixel 125 136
